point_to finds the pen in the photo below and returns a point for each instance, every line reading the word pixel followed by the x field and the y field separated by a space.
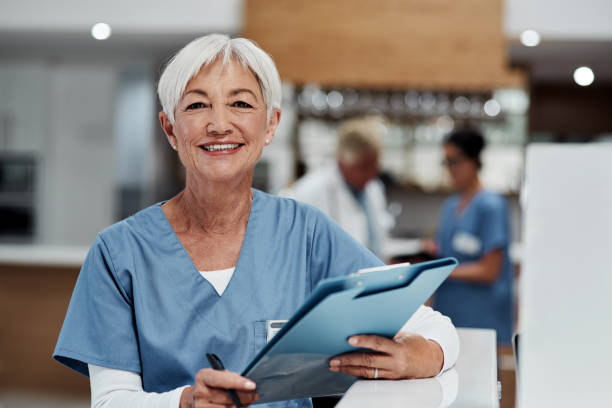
pixel 216 364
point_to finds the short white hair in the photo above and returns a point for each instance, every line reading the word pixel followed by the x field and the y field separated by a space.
pixel 359 136
pixel 205 50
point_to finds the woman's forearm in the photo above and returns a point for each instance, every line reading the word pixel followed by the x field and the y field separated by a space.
pixel 485 270
pixel 473 272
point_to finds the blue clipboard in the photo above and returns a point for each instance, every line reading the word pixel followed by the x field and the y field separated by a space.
pixel 295 362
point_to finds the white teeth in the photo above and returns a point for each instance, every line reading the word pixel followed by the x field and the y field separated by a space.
pixel 214 148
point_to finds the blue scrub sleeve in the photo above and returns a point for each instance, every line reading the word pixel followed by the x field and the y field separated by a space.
pixel 335 253
pixel 495 228
pixel 99 327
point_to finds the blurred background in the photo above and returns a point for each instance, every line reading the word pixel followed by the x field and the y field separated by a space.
pixel 80 145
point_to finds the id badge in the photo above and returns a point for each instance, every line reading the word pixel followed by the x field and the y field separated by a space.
pixel 466 243
pixel 272 327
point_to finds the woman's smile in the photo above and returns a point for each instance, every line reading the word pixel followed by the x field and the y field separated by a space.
pixel 221 148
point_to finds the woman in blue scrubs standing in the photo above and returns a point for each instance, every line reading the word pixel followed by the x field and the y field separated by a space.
pixel 474 228
pixel 206 270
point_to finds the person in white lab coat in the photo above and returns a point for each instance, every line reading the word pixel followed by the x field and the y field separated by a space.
pixel 349 190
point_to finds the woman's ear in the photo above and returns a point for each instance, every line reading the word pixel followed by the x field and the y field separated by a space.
pixel 168 128
pixel 272 125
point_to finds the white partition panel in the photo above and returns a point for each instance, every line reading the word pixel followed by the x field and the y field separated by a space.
pixel 566 293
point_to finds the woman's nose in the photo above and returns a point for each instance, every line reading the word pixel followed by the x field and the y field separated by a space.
pixel 219 122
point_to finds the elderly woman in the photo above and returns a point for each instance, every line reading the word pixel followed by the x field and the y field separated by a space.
pixel 204 271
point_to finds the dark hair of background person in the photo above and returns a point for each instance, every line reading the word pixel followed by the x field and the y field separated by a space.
pixel 469 141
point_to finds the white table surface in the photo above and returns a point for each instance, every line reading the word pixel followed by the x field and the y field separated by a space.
pixel 471 383
pixel 48 255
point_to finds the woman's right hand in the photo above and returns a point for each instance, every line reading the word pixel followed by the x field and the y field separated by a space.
pixel 210 390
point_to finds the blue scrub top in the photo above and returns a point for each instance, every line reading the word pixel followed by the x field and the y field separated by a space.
pixel 140 304
pixel 483 226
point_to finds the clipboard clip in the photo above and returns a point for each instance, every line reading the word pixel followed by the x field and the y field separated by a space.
pixel 381 268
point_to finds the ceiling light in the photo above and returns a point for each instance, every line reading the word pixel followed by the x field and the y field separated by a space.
pixel 584 76
pixel 492 108
pixel 462 104
pixel 530 38
pixel 334 99
pixel 100 31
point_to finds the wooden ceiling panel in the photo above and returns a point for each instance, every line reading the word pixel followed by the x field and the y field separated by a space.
pixel 430 44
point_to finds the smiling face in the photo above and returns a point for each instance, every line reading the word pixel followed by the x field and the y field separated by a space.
pixel 221 123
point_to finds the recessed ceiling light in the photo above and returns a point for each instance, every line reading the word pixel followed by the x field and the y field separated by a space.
pixel 334 99
pixel 461 104
pixel 530 38
pixel 492 108
pixel 101 31
pixel 584 76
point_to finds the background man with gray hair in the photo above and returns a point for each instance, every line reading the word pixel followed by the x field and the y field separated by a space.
pixel 349 190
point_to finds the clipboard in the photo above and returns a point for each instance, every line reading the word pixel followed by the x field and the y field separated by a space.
pixel 295 363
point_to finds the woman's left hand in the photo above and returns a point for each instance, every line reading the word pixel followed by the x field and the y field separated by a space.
pixel 406 356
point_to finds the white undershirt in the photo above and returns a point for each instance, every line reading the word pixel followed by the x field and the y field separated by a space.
pixel 112 388
pixel 219 279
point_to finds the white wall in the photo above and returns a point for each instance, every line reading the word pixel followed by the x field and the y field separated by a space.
pixel 566 281
pixel 22 104
pixel 133 16
pixel 135 116
pixel 560 19
pixel 78 164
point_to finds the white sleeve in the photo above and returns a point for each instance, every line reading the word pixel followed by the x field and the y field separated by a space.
pixel 435 326
pixel 112 388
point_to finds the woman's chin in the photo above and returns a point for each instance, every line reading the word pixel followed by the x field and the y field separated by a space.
pixel 223 175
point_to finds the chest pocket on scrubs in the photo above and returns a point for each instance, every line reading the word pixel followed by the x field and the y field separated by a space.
pixel 265 330
pixel 260 330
